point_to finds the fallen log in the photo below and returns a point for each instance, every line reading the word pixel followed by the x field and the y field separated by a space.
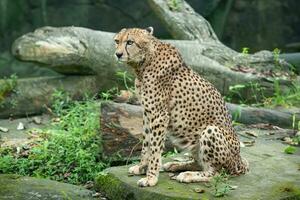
pixel 130 116
pixel 184 23
pixel 31 95
pixel 61 49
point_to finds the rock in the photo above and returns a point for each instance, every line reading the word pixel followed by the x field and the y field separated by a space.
pixel 37 120
pixel 3 129
pixel 20 126
pixel 22 188
pixel 273 175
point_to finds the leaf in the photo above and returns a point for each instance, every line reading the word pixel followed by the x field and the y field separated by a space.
pixel 290 150
pixel 236 87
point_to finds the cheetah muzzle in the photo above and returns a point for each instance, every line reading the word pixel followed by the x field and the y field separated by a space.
pixel 179 103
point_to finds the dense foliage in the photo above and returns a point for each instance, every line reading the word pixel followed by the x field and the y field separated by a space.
pixel 69 150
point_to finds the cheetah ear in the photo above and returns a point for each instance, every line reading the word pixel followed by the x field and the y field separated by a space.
pixel 150 30
pixel 123 29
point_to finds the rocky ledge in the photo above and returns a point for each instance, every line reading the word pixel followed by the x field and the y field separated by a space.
pixel 273 175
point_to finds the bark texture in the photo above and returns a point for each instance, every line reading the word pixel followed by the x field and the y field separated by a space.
pixel 75 50
pixel 184 23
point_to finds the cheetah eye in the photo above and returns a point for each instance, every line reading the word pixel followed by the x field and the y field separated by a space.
pixel 129 42
pixel 117 41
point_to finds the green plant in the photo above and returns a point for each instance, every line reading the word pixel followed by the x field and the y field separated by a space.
pixel 290 150
pixel 276 53
pixel 109 94
pixel 245 50
pixel 220 185
pixel 60 100
pixel 7 86
pixel 174 5
pixel 127 79
pixel 237 92
pixel 288 98
pixel 170 153
pixel 69 150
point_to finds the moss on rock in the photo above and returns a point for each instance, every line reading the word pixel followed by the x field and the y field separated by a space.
pixel 273 175
pixel 22 188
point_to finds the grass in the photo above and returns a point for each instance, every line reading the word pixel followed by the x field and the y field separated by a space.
pixel 285 99
pixel 256 97
pixel 69 150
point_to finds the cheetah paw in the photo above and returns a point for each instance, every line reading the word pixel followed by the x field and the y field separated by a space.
pixel 147 182
pixel 136 170
pixel 184 177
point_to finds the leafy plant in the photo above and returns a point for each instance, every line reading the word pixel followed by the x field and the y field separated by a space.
pixel 220 185
pixel 237 92
pixel 109 94
pixel 7 86
pixel 290 150
pixel 285 99
pixel 60 100
pixel 170 153
pixel 127 79
pixel 174 5
pixel 276 53
pixel 69 150
pixel 245 50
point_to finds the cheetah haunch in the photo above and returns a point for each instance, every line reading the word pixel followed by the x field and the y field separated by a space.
pixel 181 104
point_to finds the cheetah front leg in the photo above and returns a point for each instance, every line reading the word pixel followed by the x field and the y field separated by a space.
pixel 157 136
pixel 142 166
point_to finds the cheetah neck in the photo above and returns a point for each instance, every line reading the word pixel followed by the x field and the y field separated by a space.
pixel 148 55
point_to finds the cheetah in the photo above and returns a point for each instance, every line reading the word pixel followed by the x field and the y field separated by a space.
pixel 180 104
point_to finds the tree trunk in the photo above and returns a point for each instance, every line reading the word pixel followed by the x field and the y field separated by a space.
pixel 184 23
pixel 75 50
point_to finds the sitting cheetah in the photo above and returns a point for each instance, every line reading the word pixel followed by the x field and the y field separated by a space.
pixel 179 103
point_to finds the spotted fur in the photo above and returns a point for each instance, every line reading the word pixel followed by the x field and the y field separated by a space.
pixel 181 104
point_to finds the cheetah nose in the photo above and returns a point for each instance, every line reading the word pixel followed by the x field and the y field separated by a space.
pixel 119 55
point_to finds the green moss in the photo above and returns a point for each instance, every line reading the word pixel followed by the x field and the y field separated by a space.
pixel 286 190
pixel 20 188
pixel 113 187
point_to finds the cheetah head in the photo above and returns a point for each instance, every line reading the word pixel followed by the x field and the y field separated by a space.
pixel 131 44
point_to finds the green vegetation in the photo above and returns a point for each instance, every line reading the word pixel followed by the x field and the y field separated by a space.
pixel 284 99
pixel 254 94
pixel 174 5
pixel 276 53
pixel 69 150
pixel 127 79
pixel 237 93
pixel 256 97
pixel 7 86
pixel 220 185
pixel 170 153
pixel 290 150
pixel 245 50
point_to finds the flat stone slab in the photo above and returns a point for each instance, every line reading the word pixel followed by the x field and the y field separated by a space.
pixel 273 175
pixel 16 187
